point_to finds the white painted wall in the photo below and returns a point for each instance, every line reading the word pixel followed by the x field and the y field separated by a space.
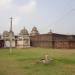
pixel 7 44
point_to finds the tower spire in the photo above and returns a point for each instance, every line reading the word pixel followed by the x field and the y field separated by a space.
pixel 11 24
pixel 11 33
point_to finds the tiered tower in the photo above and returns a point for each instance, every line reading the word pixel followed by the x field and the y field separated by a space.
pixel 34 31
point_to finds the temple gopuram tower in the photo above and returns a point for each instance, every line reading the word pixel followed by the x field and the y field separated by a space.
pixel 34 31
pixel 23 39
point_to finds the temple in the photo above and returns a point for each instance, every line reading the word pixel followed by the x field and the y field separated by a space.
pixel 34 39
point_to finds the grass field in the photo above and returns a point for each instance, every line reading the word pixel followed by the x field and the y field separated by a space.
pixel 24 62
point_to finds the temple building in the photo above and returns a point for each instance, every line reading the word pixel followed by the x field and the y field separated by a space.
pixel 53 40
pixel 6 37
pixel 1 42
pixel 35 39
pixel 23 39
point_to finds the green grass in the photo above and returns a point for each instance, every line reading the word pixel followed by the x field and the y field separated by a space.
pixel 24 62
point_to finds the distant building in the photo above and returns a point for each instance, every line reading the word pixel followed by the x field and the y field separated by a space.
pixel 35 39
pixel 53 40
pixel 6 38
pixel 1 42
pixel 23 39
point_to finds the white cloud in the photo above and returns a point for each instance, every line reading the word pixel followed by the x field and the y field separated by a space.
pixel 28 8
pixel 4 3
pixel 8 6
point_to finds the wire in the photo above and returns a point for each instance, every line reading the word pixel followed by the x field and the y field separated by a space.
pixel 61 18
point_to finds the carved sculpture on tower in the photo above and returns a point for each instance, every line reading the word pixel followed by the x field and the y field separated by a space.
pixel 34 31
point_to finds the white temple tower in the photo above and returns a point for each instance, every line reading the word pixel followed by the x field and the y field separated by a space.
pixel 23 39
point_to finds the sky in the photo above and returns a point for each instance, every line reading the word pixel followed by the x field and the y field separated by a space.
pixel 46 15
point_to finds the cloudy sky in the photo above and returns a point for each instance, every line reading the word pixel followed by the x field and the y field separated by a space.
pixel 57 15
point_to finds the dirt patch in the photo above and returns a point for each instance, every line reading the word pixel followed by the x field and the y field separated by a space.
pixel 69 65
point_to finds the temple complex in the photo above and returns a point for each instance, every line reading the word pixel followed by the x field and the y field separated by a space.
pixel 34 39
